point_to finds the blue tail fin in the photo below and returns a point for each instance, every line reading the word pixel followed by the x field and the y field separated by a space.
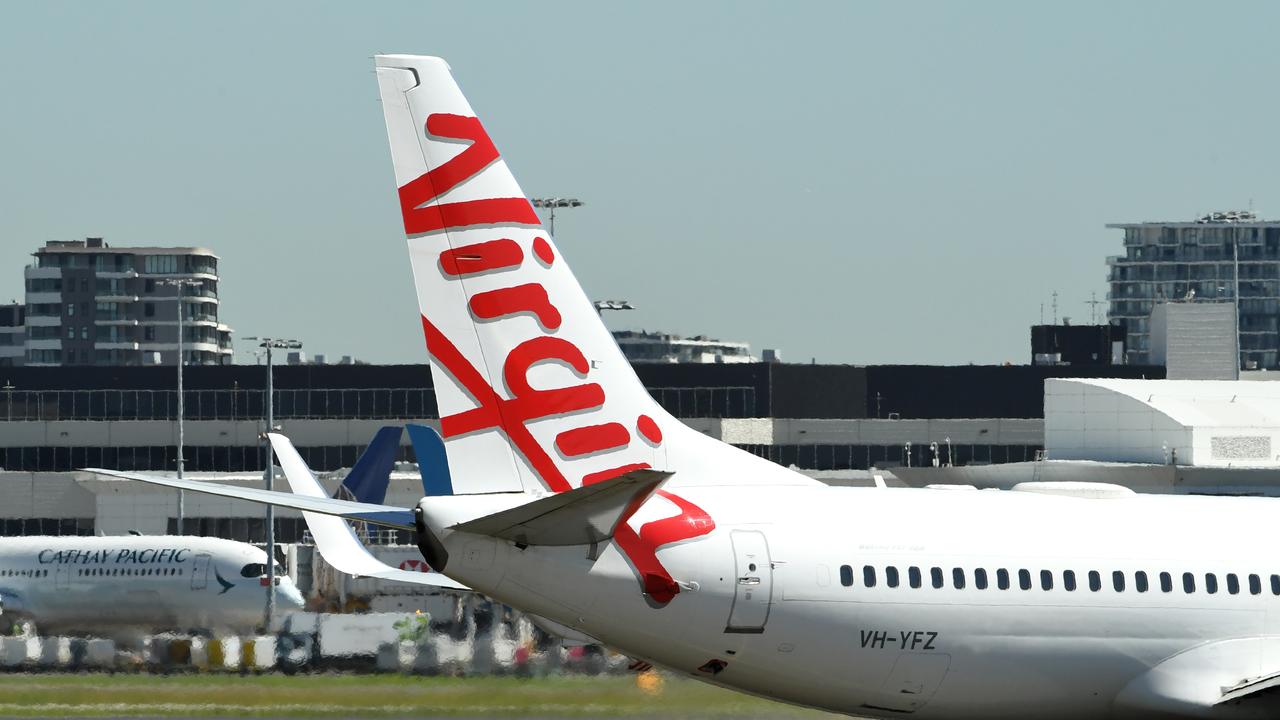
pixel 432 462
pixel 367 482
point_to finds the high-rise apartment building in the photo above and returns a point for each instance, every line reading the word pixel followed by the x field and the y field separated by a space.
pixel 91 304
pixel 1203 260
pixel 13 334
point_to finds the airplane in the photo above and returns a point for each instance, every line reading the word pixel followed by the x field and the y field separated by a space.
pixel 125 585
pixel 575 497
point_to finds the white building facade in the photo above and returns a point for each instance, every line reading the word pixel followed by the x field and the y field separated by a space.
pixel 1177 422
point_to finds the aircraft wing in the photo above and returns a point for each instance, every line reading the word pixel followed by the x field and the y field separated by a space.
pixel 334 538
pixel 1209 680
pixel 386 515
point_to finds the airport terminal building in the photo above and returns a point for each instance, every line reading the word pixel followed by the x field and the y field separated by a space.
pixel 813 417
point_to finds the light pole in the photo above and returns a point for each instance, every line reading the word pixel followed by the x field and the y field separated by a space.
pixel 269 475
pixel 180 284
pixel 550 204
pixel 602 305
pixel 8 401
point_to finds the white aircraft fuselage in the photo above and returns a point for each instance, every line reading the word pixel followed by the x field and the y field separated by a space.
pixel 101 585
pixel 791 629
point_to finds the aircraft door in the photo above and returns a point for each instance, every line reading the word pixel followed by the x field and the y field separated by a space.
pixel 62 578
pixel 200 572
pixel 753 583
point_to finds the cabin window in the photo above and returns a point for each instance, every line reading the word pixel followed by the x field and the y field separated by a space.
pixel 913 576
pixel 891 576
pixel 1046 580
pixel 868 576
pixel 1210 583
pixel 1188 583
pixel 1140 581
pixel 1095 581
pixel 935 574
pixel 1233 584
pixel 1024 579
pixel 1069 580
pixel 957 577
pixel 1002 579
pixel 1166 582
pixel 1275 584
pixel 980 578
pixel 1117 580
pixel 1255 585
pixel 846 575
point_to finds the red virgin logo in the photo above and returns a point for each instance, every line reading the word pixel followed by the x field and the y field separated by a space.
pixel 526 296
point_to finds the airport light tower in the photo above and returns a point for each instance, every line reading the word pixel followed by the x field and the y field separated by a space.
pixel 180 284
pixel 550 205
pixel 269 475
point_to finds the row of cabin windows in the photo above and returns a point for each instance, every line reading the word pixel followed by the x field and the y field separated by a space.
pixel 114 572
pixel 1094 579
pixel 23 573
pixel 96 572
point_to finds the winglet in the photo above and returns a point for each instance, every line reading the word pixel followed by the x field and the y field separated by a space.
pixel 581 516
pixel 334 538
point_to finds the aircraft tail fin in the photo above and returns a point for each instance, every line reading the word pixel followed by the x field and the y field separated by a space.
pixel 532 390
pixel 369 477
pixel 433 462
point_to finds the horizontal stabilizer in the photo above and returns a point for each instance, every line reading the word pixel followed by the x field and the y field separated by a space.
pixel 338 545
pixel 580 516
pixel 385 515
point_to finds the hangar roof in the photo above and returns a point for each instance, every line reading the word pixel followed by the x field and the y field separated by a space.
pixel 1201 403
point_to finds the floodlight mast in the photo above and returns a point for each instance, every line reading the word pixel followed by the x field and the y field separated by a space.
pixel 179 284
pixel 269 474
pixel 550 204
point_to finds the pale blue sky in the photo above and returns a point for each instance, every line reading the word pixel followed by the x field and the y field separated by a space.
pixel 856 182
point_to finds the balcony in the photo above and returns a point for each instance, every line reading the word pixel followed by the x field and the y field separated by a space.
pixel 34 273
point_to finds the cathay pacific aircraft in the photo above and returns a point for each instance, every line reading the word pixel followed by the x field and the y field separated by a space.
pixel 574 497
pixel 131 584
